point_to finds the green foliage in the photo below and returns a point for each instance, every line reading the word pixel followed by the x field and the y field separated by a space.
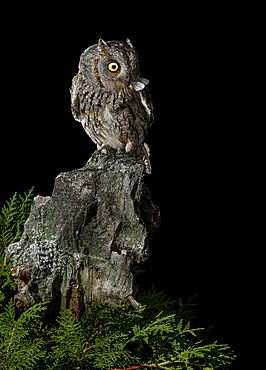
pixel 97 340
pixel 21 346
pixel 106 338
pixel 7 283
pixel 12 219
pixel 157 301
pixel 157 335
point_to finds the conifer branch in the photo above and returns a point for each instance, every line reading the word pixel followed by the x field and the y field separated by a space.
pixel 156 335
pixel 13 215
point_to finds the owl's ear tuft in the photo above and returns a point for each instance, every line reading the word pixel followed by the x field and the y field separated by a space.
pixel 129 43
pixel 102 46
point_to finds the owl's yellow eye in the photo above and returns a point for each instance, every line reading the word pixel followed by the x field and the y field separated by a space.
pixel 113 67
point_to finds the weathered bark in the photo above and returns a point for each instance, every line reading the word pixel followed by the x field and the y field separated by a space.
pixel 79 245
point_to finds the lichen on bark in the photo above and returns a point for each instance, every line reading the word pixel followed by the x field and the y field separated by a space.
pixel 79 244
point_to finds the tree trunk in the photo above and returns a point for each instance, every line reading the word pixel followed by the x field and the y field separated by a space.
pixel 79 245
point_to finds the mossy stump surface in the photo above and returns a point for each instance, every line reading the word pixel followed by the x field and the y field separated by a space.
pixel 79 245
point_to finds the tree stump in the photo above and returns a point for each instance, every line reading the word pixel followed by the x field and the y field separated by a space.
pixel 79 245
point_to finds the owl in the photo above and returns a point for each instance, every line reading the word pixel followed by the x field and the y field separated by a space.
pixel 110 99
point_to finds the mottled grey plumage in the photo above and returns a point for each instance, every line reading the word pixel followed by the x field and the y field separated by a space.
pixel 110 99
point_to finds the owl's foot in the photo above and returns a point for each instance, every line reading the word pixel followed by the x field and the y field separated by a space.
pixel 104 149
pixel 142 152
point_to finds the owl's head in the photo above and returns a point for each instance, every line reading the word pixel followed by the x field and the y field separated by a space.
pixel 112 65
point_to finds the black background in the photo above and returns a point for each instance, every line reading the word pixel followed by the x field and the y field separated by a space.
pixel 200 150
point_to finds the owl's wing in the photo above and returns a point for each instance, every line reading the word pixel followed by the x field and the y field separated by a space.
pixel 145 99
pixel 75 101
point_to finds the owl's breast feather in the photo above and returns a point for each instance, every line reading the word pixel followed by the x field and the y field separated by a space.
pixel 110 131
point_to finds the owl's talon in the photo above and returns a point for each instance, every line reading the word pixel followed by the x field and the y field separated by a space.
pixel 104 149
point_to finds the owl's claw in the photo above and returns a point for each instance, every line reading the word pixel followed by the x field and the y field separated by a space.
pixel 104 149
